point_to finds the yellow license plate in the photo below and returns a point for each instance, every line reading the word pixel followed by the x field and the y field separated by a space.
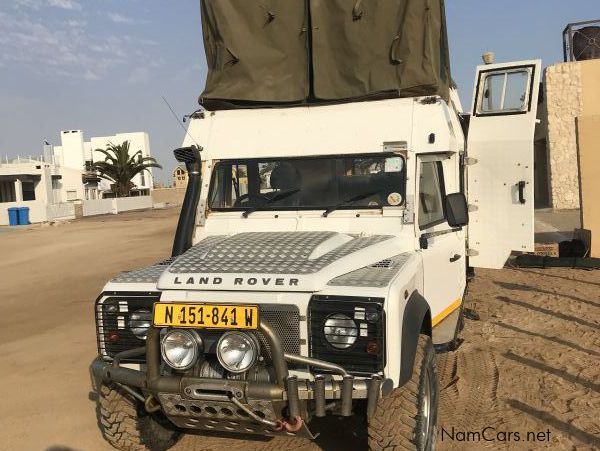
pixel 206 316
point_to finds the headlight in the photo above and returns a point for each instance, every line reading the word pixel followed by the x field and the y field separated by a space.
pixel 237 351
pixel 180 349
pixel 340 331
pixel 139 323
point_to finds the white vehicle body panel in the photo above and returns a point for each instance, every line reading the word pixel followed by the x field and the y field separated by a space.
pixel 303 131
pixel 500 143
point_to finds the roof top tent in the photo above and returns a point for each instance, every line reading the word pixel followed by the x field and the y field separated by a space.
pixel 297 52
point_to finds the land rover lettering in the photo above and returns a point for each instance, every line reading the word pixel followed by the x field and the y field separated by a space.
pixel 238 281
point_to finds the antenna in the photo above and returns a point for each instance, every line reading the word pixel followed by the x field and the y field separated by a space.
pixel 179 122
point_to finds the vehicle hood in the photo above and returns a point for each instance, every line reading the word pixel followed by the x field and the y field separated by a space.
pixel 274 261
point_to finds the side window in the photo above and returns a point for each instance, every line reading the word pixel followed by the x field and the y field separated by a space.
pixel 239 179
pixel 431 194
pixel 504 92
pixel 229 185
pixel 265 170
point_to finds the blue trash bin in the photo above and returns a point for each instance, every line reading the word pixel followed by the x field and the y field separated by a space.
pixel 23 215
pixel 13 216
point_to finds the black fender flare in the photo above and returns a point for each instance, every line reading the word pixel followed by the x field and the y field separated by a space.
pixel 416 320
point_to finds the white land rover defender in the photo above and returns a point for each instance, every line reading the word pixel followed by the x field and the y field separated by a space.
pixel 322 249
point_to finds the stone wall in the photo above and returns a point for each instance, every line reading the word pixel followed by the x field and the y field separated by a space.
pixel 564 98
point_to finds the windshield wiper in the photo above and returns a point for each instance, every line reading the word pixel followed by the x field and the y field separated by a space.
pixel 348 202
pixel 276 198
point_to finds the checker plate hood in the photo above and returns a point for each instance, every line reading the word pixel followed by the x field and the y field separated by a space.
pixel 274 261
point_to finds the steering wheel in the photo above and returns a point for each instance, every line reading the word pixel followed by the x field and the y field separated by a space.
pixel 245 199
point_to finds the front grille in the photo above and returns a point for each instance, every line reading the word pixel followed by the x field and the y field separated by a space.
pixel 285 321
pixel 113 322
pixel 113 317
pixel 371 333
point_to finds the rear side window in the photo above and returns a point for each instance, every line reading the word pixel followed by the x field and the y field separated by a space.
pixel 431 195
pixel 503 92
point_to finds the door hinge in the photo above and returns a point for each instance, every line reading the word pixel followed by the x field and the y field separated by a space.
pixel 473 208
pixel 469 161
pixel 472 253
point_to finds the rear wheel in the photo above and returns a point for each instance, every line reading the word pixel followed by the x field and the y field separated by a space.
pixel 406 419
pixel 127 426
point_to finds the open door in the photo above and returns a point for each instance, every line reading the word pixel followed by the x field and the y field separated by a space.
pixel 500 151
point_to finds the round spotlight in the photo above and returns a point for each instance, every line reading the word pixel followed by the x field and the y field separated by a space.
pixel 373 316
pixel 340 331
pixel 180 349
pixel 237 351
pixel 139 323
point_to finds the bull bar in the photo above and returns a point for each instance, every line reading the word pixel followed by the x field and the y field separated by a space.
pixel 286 388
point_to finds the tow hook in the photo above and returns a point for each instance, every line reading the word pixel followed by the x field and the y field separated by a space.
pixel 294 426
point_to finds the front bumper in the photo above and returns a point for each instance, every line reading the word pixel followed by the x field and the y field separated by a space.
pixel 283 406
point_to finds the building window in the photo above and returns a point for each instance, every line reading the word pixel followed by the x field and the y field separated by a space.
pixel 91 194
pixel 71 196
pixel 28 191
pixel 7 191
pixel 431 194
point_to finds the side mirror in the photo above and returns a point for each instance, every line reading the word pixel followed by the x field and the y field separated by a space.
pixel 457 210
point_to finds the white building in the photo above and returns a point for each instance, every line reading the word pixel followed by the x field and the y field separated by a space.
pixel 76 153
pixel 51 184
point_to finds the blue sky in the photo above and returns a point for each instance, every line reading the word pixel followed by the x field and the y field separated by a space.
pixel 103 65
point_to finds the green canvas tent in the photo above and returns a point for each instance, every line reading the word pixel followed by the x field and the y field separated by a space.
pixel 313 51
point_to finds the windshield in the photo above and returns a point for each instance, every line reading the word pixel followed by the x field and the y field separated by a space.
pixel 364 181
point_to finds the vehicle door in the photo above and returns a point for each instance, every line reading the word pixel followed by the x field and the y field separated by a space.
pixel 500 150
pixel 442 247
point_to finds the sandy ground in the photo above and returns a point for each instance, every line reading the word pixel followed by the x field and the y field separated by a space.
pixel 530 364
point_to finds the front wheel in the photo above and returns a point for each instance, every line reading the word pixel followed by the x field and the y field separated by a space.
pixel 126 425
pixel 406 419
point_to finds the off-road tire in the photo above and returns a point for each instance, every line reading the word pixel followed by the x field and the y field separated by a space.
pixel 126 425
pixel 397 423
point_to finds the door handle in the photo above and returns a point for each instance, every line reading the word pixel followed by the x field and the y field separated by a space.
pixel 522 185
pixel 455 258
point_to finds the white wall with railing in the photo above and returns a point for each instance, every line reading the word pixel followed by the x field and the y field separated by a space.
pixel 99 207
pixel 133 203
pixel 115 206
pixel 40 211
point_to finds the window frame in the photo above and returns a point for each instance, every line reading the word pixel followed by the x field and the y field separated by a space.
pixel 440 165
pixel 484 74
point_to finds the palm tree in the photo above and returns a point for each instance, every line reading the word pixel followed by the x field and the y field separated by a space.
pixel 120 168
